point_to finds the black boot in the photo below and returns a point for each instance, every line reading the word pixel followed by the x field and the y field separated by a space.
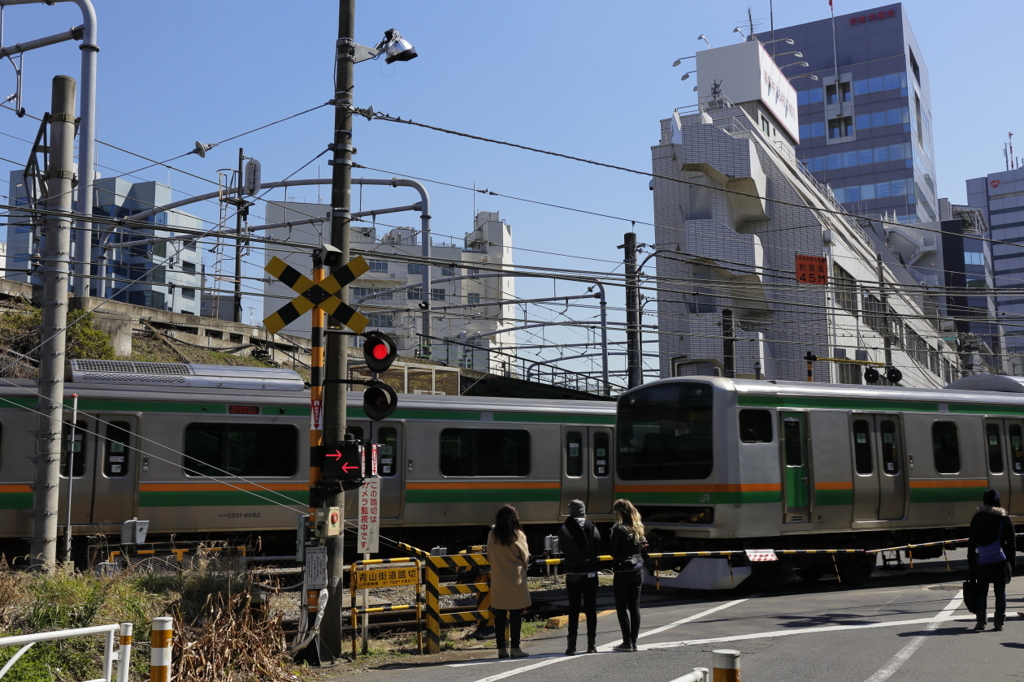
pixel 999 623
pixel 592 645
pixel 570 649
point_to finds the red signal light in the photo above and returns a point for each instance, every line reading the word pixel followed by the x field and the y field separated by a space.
pixel 379 350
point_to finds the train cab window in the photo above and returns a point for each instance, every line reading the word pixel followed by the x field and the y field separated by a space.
pixel 1016 448
pixel 890 448
pixel 755 426
pixel 387 451
pixel 241 450
pixel 602 448
pixel 994 446
pixel 946 447
pixel 665 432
pixel 573 454
pixel 116 449
pixel 78 447
pixel 485 452
pixel 862 459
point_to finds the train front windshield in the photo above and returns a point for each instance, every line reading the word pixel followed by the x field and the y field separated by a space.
pixel 664 433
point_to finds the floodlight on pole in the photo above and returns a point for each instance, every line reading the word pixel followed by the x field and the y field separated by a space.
pixel 806 75
pixel 704 38
pixel 687 74
pixel 795 64
pixel 740 31
pixel 795 53
pixel 788 41
pixel 680 60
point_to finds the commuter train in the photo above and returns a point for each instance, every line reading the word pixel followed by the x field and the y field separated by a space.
pixel 712 463
pixel 715 463
pixel 208 451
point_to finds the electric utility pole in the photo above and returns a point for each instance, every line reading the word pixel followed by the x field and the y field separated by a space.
pixel 335 397
pixel 49 434
pixel 633 359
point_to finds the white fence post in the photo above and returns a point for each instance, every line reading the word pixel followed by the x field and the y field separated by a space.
pixel 124 652
pixel 161 649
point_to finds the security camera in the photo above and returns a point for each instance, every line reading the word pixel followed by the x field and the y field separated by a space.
pixel 330 256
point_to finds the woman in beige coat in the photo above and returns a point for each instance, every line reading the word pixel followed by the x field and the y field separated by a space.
pixel 509 557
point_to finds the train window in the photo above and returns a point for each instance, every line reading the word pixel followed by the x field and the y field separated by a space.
pixel 665 433
pixel 116 449
pixel 573 454
pixel 1016 448
pixel 995 448
pixel 862 458
pixel 485 452
pixel 356 431
pixel 890 448
pixel 946 447
pixel 755 426
pixel 241 450
pixel 601 450
pixel 793 443
pixel 387 451
pixel 78 447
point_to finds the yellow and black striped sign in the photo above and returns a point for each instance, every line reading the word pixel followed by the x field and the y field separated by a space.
pixel 321 295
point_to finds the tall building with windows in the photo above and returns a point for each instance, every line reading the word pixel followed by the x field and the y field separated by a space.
pixel 470 304
pixel 865 125
pixel 1000 197
pixel 160 274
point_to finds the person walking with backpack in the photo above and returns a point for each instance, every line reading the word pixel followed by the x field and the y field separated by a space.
pixel 991 556
pixel 627 547
pixel 509 557
pixel 579 541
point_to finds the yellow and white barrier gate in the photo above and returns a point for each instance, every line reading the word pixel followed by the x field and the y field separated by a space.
pixel 385 573
pixel 435 591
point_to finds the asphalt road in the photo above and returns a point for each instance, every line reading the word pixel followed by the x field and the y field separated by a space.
pixel 900 626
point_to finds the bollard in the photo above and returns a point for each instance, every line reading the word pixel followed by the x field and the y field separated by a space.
pixel 161 645
pixel 124 652
pixel 725 665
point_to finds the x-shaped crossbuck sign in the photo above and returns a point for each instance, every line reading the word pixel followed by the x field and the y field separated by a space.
pixel 320 295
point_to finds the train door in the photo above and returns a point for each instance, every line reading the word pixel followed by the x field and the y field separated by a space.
pixel 587 468
pixel 116 471
pixel 880 480
pixel 1004 449
pixel 389 468
pixel 796 480
pixel 80 452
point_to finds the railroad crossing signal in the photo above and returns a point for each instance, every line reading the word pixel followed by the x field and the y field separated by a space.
pixel 379 351
pixel 321 295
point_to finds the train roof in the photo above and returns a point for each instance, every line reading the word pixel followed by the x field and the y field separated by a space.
pixel 962 391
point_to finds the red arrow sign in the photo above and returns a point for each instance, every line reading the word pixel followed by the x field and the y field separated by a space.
pixel 336 454
pixel 346 467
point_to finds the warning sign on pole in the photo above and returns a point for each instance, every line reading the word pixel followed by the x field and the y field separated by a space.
pixel 812 269
pixel 369 516
pixel 316 568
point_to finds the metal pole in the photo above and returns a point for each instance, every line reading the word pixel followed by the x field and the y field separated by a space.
pixel 335 395
pixel 71 476
pixel 633 360
pixel 729 344
pixel 55 316
pixel 884 298
pixel 239 208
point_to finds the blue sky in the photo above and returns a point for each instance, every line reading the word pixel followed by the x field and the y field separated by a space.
pixel 588 79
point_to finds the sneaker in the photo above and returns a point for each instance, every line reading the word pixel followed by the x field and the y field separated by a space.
pixel 625 646
pixel 502 652
pixel 516 652
pixel 634 646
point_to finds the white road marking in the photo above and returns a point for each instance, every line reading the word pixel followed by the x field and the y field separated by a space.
pixel 913 645
pixel 604 647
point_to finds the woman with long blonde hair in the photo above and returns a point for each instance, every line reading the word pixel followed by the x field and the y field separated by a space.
pixel 627 545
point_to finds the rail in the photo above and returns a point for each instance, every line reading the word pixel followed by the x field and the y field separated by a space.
pixel 122 655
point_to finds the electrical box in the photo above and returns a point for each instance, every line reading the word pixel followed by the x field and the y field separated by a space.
pixel 133 532
pixel 328 522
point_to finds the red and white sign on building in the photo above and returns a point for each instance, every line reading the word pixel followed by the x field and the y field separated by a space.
pixel 315 413
pixel 812 269
pixel 369 516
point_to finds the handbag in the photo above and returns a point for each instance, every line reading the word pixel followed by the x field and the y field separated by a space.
pixel 993 552
pixel 971 595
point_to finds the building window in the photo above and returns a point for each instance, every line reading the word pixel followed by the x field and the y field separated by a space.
pixel 381 319
pixel 473 299
pixel 437 294
pixel 190 245
pixel 849 373
pixel 377 294
pixel 417 269
pixel 415 294
pixel 766 126
pixel 485 452
pixel 188 293
pixel 157 276
pixel 378 265
pixel 160 249
pixel 188 268
pixel 472 272
pixel 845 289
pixel 840 127
pixel 830 94
pixel 447 271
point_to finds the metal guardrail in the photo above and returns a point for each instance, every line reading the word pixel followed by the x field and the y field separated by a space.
pixel 122 655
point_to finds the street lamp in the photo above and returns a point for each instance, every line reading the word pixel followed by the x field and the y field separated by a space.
pixel 798 55
pixel 795 64
pixel 788 41
pixel 704 38
pixel 806 75
pixel 740 31
pixel 687 74
pixel 680 60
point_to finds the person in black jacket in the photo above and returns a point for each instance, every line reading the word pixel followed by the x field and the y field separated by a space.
pixel 579 541
pixel 991 555
pixel 627 546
